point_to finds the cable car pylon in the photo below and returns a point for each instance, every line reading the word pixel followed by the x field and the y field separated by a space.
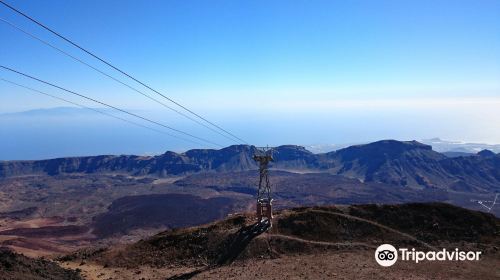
pixel 264 200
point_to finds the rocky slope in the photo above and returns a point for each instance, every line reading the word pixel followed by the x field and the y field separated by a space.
pixel 303 232
pixel 18 267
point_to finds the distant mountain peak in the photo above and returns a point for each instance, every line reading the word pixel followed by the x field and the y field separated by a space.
pixel 407 144
pixel 486 153
pixel 389 146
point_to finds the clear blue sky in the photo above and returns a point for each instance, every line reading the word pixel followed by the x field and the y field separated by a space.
pixel 244 63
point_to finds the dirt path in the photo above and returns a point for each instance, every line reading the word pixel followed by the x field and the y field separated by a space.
pixel 378 225
pixel 321 243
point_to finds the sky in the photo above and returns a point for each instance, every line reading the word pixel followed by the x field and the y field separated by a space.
pixel 272 72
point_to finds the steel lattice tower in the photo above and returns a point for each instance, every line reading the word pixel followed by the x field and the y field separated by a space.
pixel 264 199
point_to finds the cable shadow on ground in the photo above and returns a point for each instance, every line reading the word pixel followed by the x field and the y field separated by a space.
pixel 238 244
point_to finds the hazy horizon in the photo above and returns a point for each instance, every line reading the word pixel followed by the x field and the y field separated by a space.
pixel 72 131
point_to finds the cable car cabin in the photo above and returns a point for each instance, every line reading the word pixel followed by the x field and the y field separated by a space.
pixel 265 209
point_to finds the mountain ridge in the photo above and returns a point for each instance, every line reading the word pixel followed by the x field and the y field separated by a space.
pixel 399 163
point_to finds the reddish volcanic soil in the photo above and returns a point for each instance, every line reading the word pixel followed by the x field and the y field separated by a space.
pixel 43 236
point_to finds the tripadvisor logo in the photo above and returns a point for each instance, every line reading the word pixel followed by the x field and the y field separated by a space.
pixel 387 255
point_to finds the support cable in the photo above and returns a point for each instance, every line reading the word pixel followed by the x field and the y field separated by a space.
pixel 34 37
pixel 110 106
pixel 119 70
pixel 98 111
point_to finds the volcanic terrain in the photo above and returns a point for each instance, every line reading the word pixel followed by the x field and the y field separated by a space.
pixel 308 242
pixel 55 206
